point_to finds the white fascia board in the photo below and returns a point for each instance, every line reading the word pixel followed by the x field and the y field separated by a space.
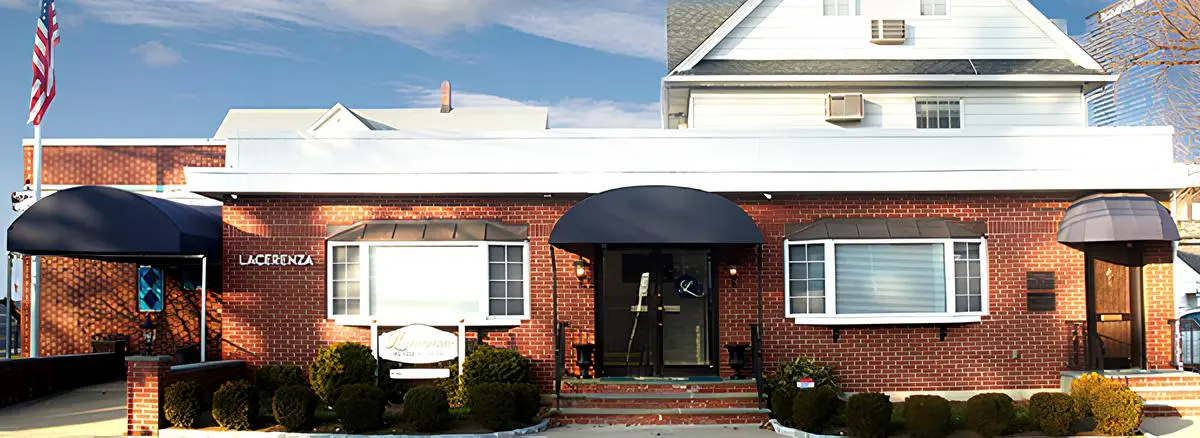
pixel 1069 45
pixel 717 36
pixel 908 80
pixel 127 142
pixel 221 181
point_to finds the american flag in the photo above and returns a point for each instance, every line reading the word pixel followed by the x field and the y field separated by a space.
pixel 43 63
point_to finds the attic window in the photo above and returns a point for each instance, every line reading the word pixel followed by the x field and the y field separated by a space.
pixel 843 8
pixel 937 8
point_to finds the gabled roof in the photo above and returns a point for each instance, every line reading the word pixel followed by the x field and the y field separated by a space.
pixel 695 27
pixel 889 67
pixel 1190 254
pixel 239 122
pixel 357 121
pixel 691 22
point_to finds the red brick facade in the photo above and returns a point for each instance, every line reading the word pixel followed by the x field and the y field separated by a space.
pixel 85 298
pixel 278 315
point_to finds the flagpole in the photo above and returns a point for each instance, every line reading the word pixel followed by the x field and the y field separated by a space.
pixel 34 265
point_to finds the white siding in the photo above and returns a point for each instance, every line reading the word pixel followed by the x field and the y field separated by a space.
pixel 977 29
pixel 885 108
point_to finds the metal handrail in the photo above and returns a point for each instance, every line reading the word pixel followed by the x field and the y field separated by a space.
pixel 757 355
pixel 560 357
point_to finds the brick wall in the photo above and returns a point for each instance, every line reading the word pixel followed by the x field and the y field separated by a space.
pixel 144 383
pixel 278 315
pixel 83 298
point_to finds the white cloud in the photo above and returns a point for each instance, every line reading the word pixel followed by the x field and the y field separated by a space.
pixel 155 54
pixel 18 4
pixel 564 113
pixel 255 48
pixel 625 27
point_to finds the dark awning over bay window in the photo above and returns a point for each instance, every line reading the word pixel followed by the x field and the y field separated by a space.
pixel 885 229
pixel 430 230
pixel 1117 217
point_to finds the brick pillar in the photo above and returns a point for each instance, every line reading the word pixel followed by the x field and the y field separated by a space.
pixel 144 376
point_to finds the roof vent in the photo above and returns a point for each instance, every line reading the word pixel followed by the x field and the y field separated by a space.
pixel 888 31
pixel 446 97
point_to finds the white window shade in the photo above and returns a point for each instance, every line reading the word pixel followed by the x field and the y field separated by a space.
pixel 890 278
pixel 428 283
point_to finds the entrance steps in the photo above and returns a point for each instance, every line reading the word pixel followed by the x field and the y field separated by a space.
pixel 652 402
pixel 1168 393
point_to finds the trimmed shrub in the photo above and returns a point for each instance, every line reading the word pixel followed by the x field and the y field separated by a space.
pixel 1084 389
pixel 528 402
pixel 293 406
pixel 269 378
pixel 1118 410
pixel 781 404
pixel 990 414
pixel 339 365
pixel 927 416
pixel 182 403
pixel 868 415
pixel 235 404
pixel 453 386
pixel 496 365
pixel 360 407
pixel 1022 421
pixel 427 409
pixel 801 367
pixel 1053 413
pixel 814 408
pixel 491 405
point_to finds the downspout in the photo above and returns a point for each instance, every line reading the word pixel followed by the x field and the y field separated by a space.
pixel 558 348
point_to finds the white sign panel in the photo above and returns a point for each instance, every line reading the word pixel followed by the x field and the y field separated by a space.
pixel 419 344
pixel 420 373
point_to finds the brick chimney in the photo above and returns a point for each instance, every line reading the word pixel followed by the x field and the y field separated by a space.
pixel 446 97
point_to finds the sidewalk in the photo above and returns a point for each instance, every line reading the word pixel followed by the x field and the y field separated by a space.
pixel 92 411
pixel 1172 427
pixel 659 431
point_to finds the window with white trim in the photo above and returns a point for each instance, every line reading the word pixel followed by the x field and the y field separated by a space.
pixel 841 8
pixel 935 7
pixel 886 281
pixel 428 282
pixel 939 113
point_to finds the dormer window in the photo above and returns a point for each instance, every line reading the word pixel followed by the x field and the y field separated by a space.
pixel 935 8
pixel 839 8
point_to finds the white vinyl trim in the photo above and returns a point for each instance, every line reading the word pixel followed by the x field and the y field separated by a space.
pixel 717 36
pixel 127 142
pixel 831 317
pixel 899 79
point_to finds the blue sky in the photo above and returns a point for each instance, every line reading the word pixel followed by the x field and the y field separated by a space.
pixel 171 68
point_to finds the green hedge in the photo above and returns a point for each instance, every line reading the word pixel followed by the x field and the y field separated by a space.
pixel 868 414
pixel 491 405
pixel 235 404
pixel 427 409
pixel 782 399
pixel 927 416
pixel 293 406
pixel 183 403
pixel 269 378
pixel 496 365
pixel 814 408
pixel 360 407
pixel 1053 412
pixel 339 365
pixel 990 414
pixel 1118 410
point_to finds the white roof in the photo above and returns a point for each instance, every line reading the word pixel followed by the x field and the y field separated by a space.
pixel 240 122
pixel 591 161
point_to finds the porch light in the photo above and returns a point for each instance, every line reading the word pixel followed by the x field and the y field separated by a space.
pixel 733 275
pixel 581 271
pixel 149 332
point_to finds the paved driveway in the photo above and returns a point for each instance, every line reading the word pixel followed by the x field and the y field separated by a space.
pixel 91 411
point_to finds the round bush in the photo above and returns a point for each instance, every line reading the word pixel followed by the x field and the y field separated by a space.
pixel 293 406
pixel 269 378
pixel 339 365
pixel 528 401
pixel 491 405
pixel 1084 390
pixel 868 415
pixel 182 403
pixel 990 414
pixel 927 416
pixel 813 408
pixel 235 404
pixel 781 404
pixel 1053 412
pixel 427 409
pixel 1118 410
pixel 453 386
pixel 496 365
pixel 360 407
pixel 801 367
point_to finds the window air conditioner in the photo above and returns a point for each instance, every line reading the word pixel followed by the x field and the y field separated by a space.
pixel 888 31
pixel 844 107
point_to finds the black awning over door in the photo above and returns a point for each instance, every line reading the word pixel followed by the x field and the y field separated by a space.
pixel 654 215
pixel 105 223
pixel 1117 217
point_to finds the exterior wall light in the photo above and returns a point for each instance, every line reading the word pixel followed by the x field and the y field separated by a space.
pixel 733 275
pixel 581 271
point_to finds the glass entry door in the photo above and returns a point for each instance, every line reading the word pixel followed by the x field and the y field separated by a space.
pixel 657 317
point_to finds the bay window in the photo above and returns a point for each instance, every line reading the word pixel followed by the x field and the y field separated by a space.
pixel 435 283
pixel 851 281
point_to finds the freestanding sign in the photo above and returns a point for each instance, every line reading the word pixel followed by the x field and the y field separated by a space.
pixel 418 344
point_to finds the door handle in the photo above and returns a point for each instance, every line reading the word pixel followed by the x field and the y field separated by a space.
pixel 671 309
pixel 639 309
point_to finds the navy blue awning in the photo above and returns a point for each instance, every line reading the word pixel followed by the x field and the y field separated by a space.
pixel 105 223
pixel 654 215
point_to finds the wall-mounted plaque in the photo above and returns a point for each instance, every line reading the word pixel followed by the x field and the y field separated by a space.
pixel 1039 280
pixel 1040 302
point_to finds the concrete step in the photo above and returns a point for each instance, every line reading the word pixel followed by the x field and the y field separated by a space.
pixel 661 400
pixel 1168 392
pixel 657 386
pixel 639 417
pixel 1172 408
